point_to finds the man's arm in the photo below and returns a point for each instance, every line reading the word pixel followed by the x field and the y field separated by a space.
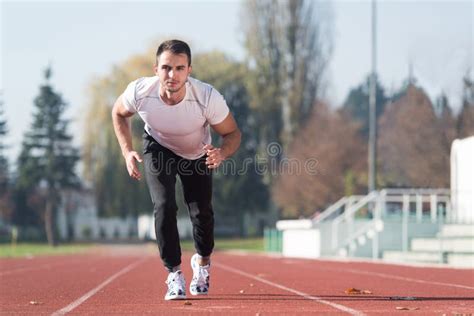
pixel 231 136
pixel 120 119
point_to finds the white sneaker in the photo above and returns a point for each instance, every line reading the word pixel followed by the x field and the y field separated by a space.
pixel 176 286
pixel 200 282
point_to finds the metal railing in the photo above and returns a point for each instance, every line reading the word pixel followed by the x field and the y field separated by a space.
pixel 405 197
pixel 377 207
pixel 348 217
pixel 335 209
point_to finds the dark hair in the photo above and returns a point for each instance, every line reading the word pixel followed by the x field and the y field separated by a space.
pixel 176 47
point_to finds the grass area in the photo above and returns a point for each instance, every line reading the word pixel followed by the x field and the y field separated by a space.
pixel 247 244
pixel 40 249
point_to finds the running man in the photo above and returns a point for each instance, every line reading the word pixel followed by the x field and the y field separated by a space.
pixel 178 112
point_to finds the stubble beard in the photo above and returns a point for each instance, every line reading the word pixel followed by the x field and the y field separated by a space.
pixel 174 90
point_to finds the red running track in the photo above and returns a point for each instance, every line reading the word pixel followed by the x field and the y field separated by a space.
pixel 130 280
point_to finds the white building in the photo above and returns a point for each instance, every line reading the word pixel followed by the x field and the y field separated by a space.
pixel 462 179
pixel 78 219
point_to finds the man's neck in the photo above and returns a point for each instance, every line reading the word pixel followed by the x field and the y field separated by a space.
pixel 172 98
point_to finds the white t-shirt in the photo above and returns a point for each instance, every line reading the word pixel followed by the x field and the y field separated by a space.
pixel 184 127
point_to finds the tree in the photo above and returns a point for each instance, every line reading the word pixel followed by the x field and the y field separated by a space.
pixel 357 104
pixel 47 161
pixel 411 143
pixel 331 140
pixel 116 194
pixel 465 121
pixel 288 48
pixel 447 122
pixel 5 209
pixel 228 77
pixel 3 159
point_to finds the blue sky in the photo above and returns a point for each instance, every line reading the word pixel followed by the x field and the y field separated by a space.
pixel 84 39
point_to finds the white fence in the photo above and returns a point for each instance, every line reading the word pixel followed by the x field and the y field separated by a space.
pixel 353 221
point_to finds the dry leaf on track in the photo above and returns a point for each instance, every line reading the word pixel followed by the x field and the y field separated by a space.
pixel 35 303
pixel 400 308
pixel 188 303
pixel 354 291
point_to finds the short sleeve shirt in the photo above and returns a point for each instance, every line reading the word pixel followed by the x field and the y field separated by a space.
pixel 184 127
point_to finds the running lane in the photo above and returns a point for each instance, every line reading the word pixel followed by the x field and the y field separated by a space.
pixel 432 290
pixel 142 290
pixel 42 289
pixel 124 281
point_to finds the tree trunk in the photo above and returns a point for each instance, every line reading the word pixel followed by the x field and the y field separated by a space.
pixel 49 222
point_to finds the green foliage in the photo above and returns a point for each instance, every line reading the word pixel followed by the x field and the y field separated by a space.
pixel 465 121
pixel 3 159
pixel 116 194
pixel 357 104
pixel 31 249
pixel 234 193
pixel 288 46
pixel 47 161
pixel 27 204
pixel 47 154
pixel 5 191
pixel 104 166
pixel 224 244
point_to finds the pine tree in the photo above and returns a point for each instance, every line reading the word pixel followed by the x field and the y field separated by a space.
pixel 48 159
pixel 3 159
pixel 5 209
pixel 465 121
pixel 357 104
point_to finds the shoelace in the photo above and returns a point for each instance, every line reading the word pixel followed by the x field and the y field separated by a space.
pixel 175 282
pixel 201 277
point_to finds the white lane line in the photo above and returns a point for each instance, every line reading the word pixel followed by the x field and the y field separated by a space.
pixel 384 275
pixel 395 277
pixel 92 292
pixel 282 287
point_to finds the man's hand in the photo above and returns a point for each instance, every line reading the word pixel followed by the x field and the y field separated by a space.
pixel 120 119
pixel 231 136
pixel 132 166
pixel 214 156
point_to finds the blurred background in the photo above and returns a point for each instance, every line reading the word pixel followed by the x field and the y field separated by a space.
pixel 297 74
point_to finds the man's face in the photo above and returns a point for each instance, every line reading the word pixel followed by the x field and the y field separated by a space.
pixel 173 70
